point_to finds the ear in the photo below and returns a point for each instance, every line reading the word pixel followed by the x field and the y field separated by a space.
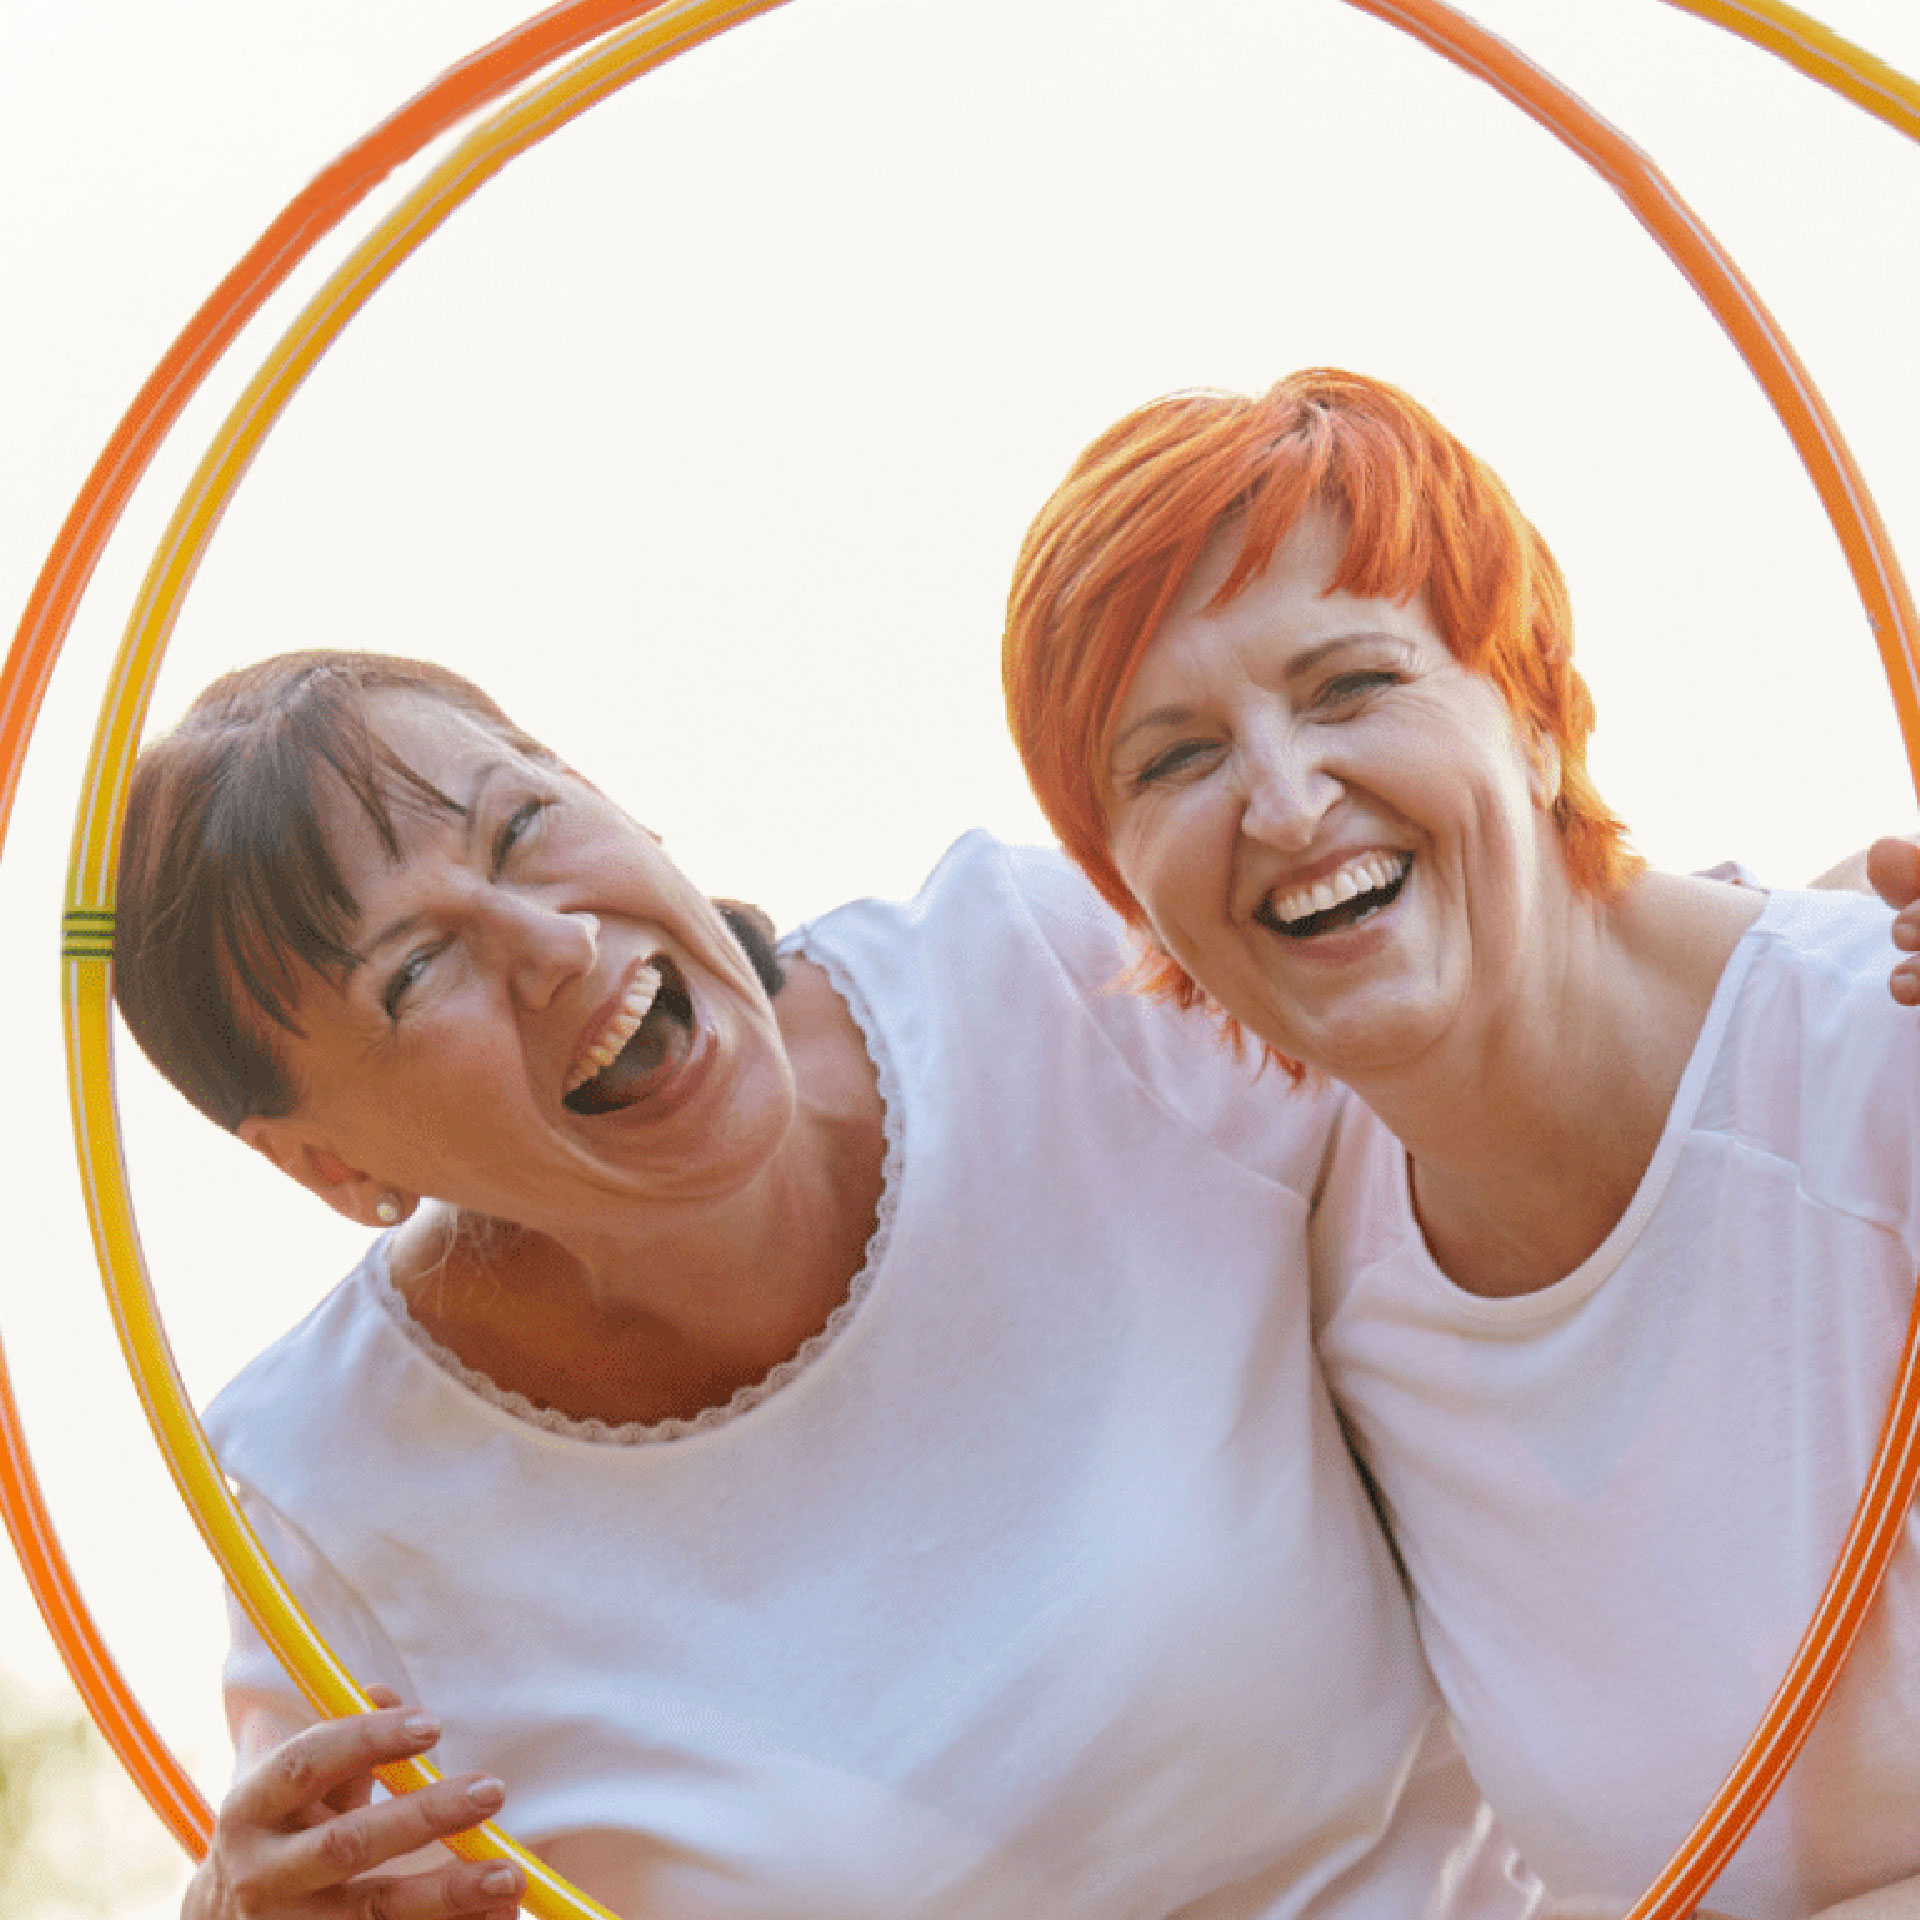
pixel 346 1189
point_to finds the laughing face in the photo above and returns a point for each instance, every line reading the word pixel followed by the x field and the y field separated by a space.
pixel 1331 823
pixel 547 1021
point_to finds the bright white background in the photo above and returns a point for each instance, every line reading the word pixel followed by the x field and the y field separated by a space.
pixel 704 438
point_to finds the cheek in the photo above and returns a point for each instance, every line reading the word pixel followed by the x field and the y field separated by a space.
pixel 1140 856
pixel 1169 849
pixel 1126 849
pixel 1463 778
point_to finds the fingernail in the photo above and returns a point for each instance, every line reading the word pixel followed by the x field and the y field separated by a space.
pixel 498 1880
pixel 486 1794
pixel 421 1726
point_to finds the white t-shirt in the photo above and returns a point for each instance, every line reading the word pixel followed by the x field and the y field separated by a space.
pixel 1620 1498
pixel 1041 1583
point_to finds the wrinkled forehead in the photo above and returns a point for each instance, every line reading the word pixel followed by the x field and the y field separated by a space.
pixel 417 759
pixel 434 737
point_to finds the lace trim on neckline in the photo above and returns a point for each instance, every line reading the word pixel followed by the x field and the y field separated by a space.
pixel 641 1433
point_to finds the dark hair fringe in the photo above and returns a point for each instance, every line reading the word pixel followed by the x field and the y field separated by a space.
pixel 226 883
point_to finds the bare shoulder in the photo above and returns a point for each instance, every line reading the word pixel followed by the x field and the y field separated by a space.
pixel 1688 925
pixel 1846 876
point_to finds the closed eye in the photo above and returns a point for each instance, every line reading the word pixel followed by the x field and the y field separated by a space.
pixel 1183 756
pixel 515 828
pixel 405 977
pixel 1349 689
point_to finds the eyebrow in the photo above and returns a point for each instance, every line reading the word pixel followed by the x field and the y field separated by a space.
pixel 1175 716
pixel 394 930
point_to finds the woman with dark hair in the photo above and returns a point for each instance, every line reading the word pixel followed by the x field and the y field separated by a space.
pixel 1617 1245
pixel 837 1433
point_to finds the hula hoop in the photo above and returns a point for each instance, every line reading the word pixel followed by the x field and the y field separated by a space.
pixel 1820 54
pixel 1801 42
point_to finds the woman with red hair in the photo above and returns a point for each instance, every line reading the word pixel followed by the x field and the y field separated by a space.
pixel 1616 1248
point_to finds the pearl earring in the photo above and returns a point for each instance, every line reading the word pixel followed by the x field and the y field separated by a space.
pixel 387 1209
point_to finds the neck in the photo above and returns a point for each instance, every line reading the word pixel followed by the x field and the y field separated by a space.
pixel 672 1310
pixel 1528 1135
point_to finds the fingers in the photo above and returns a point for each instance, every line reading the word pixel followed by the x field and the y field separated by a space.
pixel 464 1892
pixel 487 1890
pixel 1894 868
pixel 359 1790
pixel 282 1852
pixel 356 1843
pixel 324 1759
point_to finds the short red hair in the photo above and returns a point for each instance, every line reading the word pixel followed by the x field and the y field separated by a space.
pixel 1106 555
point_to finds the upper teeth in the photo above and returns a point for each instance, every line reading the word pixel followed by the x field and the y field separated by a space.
pixel 1364 875
pixel 633 1008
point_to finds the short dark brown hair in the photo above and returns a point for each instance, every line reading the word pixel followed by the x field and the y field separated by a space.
pixel 227 886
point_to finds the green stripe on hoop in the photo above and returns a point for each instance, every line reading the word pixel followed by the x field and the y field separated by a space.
pixel 86 933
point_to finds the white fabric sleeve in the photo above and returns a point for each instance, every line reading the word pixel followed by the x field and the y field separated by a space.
pixel 264 1706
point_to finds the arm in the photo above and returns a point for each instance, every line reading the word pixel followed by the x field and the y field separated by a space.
pixel 300 1834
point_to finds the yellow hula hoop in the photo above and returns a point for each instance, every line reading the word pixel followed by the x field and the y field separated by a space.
pixel 543 108
pixel 1819 53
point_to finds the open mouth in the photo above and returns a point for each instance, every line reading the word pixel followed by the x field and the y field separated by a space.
pixel 1343 899
pixel 647 1038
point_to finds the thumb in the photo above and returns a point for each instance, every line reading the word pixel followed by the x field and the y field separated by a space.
pixel 1893 866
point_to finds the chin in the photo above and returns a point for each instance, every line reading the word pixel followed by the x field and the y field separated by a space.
pixel 1355 1044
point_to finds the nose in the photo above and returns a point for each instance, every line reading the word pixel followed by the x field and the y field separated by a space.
pixel 544 947
pixel 1287 789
